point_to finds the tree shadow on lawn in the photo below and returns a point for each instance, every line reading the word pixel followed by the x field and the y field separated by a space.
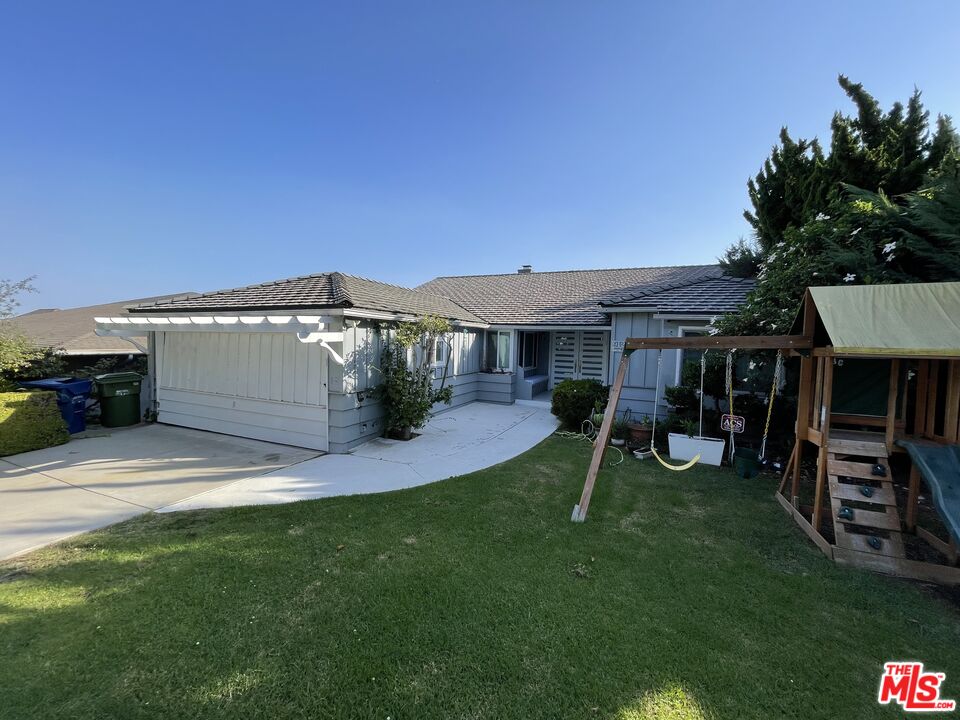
pixel 688 596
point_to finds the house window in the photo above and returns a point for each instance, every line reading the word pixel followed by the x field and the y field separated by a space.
pixel 441 351
pixel 529 349
pixel 498 350
pixel 689 355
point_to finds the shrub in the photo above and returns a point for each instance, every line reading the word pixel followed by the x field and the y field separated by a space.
pixel 575 400
pixel 30 421
pixel 408 391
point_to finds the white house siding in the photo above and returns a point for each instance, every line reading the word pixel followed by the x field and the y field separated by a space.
pixel 355 417
pixel 267 386
pixel 639 387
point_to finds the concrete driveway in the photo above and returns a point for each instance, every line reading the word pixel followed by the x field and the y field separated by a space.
pixel 455 442
pixel 51 494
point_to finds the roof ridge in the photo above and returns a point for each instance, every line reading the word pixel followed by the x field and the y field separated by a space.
pixel 581 270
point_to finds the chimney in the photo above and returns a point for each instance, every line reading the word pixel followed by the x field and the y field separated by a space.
pixel 525 269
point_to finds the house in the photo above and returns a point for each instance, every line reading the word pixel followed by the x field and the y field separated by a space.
pixel 295 361
pixel 71 332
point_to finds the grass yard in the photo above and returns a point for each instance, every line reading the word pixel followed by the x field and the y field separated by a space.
pixel 683 596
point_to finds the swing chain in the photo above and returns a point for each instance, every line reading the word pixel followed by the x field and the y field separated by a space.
pixel 729 380
pixel 777 373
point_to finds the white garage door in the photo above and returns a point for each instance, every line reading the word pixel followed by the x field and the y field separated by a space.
pixel 266 386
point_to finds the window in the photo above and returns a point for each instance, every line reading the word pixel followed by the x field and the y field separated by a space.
pixel 498 350
pixel 529 349
pixel 441 350
pixel 689 355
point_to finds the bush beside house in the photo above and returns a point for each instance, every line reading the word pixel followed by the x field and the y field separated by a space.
pixel 30 421
pixel 577 400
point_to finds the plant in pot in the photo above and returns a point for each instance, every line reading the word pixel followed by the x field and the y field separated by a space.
pixel 408 389
pixel 640 431
pixel 620 432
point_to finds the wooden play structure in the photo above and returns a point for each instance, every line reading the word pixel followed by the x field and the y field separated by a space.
pixel 882 378
pixel 879 378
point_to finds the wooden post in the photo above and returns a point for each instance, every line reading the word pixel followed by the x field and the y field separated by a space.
pixel 789 468
pixel 920 413
pixel 818 393
pixel 953 402
pixel 804 398
pixel 892 402
pixel 580 510
pixel 913 499
pixel 933 380
pixel 826 400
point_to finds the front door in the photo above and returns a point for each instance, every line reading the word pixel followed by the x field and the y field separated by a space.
pixel 578 354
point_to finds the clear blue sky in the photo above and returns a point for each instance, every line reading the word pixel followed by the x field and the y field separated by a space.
pixel 148 148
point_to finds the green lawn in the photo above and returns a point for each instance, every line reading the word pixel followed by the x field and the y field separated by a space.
pixel 687 595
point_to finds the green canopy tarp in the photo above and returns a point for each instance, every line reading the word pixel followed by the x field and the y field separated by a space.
pixel 918 319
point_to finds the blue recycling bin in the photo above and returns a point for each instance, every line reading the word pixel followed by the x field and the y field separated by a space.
pixel 72 394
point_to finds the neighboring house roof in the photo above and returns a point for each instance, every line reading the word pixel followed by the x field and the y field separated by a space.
pixel 571 297
pixel 714 296
pixel 72 330
pixel 310 292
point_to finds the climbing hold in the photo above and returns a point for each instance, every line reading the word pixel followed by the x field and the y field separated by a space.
pixel 845 513
pixel 866 491
pixel 874 542
pixel 879 471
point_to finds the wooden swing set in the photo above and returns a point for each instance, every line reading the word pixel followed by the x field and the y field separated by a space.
pixel 914 330
pixel 709 342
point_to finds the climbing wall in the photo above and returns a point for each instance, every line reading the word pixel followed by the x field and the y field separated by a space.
pixel 865 516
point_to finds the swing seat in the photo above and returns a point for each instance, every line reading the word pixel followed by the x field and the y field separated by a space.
pixel 678 468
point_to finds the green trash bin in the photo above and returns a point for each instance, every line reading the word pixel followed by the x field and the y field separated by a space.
pixel 746 463
pixel 119 398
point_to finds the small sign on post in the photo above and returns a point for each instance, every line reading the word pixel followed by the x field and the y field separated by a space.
pixel 732 423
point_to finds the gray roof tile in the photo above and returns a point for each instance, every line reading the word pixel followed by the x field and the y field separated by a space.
pixel 713 296
pixel 324 290
pixel 571 297
pixel 72 330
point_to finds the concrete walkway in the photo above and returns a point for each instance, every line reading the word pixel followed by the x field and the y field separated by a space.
pixel 456 442
pixel 48 495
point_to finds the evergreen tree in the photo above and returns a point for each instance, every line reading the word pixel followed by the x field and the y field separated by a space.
pixel 880 207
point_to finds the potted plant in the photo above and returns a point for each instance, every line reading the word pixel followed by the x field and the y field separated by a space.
pixel 640 431
pixel 597 417
pixel 620 432
pixel 687 445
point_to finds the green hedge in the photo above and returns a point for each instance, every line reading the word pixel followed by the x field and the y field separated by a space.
pixel 30 421
pixel 575 400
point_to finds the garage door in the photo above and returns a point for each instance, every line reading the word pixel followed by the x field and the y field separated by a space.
pixel 266 386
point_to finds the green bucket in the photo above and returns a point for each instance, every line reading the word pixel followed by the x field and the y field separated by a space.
pixel 746 463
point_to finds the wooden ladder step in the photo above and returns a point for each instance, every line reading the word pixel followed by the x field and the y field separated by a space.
pixel 889 520
pixel 850 469
pixel 882 495
pixel 868 448
pixel 891 546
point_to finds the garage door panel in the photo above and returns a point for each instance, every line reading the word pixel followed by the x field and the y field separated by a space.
pixel 267 386
pixel 231 427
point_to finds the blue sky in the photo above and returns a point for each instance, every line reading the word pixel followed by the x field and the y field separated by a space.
pixel 148 148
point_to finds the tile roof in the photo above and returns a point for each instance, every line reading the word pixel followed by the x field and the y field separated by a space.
pixel 72 330
pixel 712 296
pixel 571 297
pixel 323 290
